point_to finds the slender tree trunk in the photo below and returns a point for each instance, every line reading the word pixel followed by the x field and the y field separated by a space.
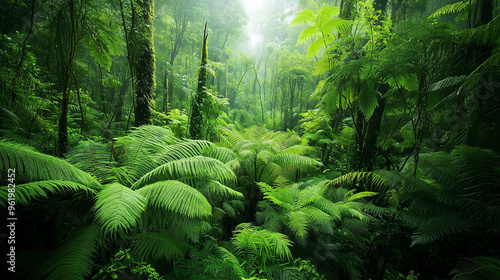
pixel 196 120
pixel 67 68
pixel 145 65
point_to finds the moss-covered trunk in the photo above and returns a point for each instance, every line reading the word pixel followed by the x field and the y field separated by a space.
pixel 196 120
pixel 144 62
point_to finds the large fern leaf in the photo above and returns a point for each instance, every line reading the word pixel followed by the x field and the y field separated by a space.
pixel 176 197
pixel 92 157
pixel 74 259
pixel 477 268
pixel 119 208
pixel 34 166
pixel 153 245
pixel 34 190
pixel 194 167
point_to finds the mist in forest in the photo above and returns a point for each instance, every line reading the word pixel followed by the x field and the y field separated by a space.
pixel 250 139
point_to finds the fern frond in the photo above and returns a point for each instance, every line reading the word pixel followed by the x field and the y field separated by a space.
pixel 298 223
pixel 156 246
pixel 302 162
pixel 193 167
pixel 184 149
pixel 320 219
pixel 223 154
pixel 176 197
pixel 209 188
pixel 35 190
pixel 271 244
pixel 234 262
pixel 73 260
pixel 447 82
pixel 452 8
pixel 437 227
pixel 360 195
pixel 34 166
pixel 118 208
pixel 477 268
pixel 93 158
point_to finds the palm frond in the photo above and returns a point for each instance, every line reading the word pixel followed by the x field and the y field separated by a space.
pixel 156 246
pixel 34 166
pixel 177 197
pixel 118 208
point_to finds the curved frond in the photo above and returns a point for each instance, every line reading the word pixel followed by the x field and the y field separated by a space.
pixel 34 190
pixel 177 197
pixel 74 259
pixel 93 158
pixel 477 268
pixel 233 261
pixel 299 223
pixel 118 208
pixel 437 227
pixel 193 167
pixel 451 8
pixel 156 246
pixel 34 166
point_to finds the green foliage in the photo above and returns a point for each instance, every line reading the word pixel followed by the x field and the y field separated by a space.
pixel 78 252
pixel 119 208
pixel 477 268
pixel 176 197
pixel 123 264
pixel 34 166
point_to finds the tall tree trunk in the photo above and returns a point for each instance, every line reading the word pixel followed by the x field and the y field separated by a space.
pixel 67 70
pixel 145 65
pixel 196 120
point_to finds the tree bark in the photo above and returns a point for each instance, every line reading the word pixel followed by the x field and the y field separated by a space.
pixel 145 65
pixel 196 121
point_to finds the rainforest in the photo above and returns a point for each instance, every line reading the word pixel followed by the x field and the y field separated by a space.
pixel 250 139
